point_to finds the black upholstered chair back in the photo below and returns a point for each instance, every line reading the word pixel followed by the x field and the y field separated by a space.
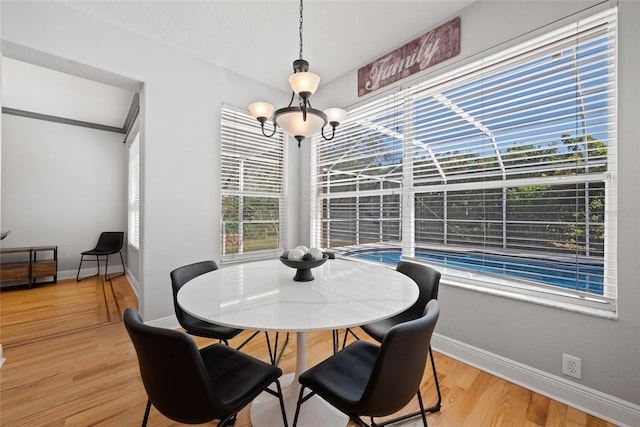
pixel 182 275
pixel 110 242
pixel 173 372
pixel 428 281
pixel 399 365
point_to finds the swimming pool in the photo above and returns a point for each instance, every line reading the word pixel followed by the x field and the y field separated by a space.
pixel 586 276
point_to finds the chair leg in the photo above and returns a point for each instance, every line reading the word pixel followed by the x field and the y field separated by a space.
pixel 436 407
pixel 229 420
pixel 122 261
pixel 146 414
pixel 78 274
pixel 422 412
pixel 298 404
pixel 274 357
pixel 281 399
pixel 347 332
pixel 336 338
pixel 246 341
pixel 106 277
pixel 271 357
pixel 78 278
pixel 284 345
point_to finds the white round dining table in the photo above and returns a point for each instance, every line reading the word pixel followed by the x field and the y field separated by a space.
pixel 263 296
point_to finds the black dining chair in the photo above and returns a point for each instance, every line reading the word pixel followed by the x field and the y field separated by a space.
pixel 197 386
pixel 428 281
pixel 109 243
pixel 367 380
pixel 194 326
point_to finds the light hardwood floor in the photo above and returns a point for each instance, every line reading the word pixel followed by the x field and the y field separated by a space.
pixel 69 362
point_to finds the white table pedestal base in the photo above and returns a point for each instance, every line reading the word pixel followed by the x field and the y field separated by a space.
pixel 315 412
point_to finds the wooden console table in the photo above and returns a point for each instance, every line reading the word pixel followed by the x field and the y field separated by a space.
pixel 17 272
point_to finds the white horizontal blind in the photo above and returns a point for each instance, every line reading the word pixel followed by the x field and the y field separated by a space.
pixel 509 163
pixel 133 187
pixel 252 177
pixel 358 180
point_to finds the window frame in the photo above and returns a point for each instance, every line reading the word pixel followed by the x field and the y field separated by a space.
pixel 133 186
pixel 239 133
pixel 605 306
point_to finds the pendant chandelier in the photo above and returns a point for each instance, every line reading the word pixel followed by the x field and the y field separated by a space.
pixel 303 120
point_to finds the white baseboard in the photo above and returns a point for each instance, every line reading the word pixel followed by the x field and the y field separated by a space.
pixel 583 398
pixel 134 284
pixel 90 271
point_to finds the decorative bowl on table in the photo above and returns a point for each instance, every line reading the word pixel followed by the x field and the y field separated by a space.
pixel 303 267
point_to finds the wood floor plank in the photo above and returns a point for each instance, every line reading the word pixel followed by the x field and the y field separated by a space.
pixel 538 409
pixel 102 306
pixel 69 362
pixel 112 305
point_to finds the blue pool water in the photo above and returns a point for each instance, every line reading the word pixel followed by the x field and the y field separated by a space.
pixel 586 276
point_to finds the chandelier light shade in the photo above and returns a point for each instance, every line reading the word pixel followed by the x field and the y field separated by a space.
pixel 335 115
pixel 302 120
pixel 304 84
pixel 293 121
pixel 261 110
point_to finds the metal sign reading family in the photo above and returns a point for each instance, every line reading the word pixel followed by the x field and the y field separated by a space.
pixel 425 51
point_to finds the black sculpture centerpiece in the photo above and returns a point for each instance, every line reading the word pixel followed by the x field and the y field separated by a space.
pixel 303 267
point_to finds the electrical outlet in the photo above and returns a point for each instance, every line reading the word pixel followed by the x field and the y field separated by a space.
pixel 572 366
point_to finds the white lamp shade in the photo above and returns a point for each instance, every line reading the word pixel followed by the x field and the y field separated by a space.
pixel 304 82
pixel 261 109
pixel 335 115
pixel 292 123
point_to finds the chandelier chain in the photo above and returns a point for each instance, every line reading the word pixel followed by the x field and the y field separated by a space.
pixel 293 119
pixel 301 29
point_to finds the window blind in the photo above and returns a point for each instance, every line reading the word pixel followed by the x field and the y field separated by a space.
pixel 253 221
pixel 358 180
pixel 504 168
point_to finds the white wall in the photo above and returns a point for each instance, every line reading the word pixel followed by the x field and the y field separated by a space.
pixel 61 185
pixel 530 334
pixel 180 130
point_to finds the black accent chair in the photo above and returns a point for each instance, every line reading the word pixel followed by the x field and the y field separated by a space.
pixel 194 326
pixel 197 386
pixel 109 243
pixel 365 379
pixel 428 281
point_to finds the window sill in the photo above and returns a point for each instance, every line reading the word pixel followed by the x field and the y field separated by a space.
pixel 514 290
pixel 483 285
pixel 250 256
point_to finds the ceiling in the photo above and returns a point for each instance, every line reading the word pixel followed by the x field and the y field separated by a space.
pixel 45 92
pixel 256 39
pixel 259 39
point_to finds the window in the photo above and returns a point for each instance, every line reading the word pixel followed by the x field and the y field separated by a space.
pixel 253 190
pixel 133 215
pixel 502 171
